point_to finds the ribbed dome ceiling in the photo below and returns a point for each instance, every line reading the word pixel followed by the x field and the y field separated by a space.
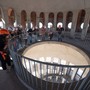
pixel 45 5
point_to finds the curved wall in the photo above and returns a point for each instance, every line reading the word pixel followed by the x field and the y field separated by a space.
pixel 63 51
pixel 46 5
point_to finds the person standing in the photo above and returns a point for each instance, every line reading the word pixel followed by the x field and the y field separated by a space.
pixel 29 38
pixel 43 32
pixel 4 53
pixel 59 30
pixel 50 33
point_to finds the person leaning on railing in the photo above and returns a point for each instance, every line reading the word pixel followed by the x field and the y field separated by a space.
pixel 43 32
pixel 29 38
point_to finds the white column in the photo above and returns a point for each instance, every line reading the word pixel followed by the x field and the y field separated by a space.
pixel 55 21
pixel 46 20
pixel 74 23
pixel 86 22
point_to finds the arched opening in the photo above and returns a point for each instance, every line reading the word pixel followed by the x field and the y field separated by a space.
pixel 23 18
pixel 33 19
pixel 51 20
pixel 41 20
pixel 80 21
pixel 69 21
pixel 11 16
pixel 59 19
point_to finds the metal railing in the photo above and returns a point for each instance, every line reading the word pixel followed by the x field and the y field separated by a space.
pixel 38 75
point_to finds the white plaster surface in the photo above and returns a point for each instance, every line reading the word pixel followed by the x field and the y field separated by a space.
pixel 60 50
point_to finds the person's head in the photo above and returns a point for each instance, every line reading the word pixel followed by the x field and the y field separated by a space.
pixel 59 26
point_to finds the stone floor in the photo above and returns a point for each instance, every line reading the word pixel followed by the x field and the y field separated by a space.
pixel 9 81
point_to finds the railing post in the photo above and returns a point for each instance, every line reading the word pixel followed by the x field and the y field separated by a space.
pixel 83 85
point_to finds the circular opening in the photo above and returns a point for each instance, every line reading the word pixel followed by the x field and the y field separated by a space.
pixel 55 53
pixel 59 50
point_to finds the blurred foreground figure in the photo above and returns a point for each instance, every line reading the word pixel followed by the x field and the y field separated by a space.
pixel 4 52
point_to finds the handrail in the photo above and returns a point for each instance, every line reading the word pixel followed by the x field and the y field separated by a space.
pixel 54 64
pixel 24 74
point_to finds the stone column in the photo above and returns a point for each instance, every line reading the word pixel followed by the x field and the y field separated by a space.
pixel 64 19
pixel 2 15
pixel 55 21
pixel 74 23
pixel 16 18
pixel 5 17
pixel 46 20
pixel 86 23
pixel 28 20
pixel 37 19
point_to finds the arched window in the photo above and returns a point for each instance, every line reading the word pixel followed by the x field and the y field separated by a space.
pixel 11 16
pixel 33 19
pixel 23 18
pixel 42 18
pixel 59 19
pixel 69 21
pixel 51 18
pixel 80 21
